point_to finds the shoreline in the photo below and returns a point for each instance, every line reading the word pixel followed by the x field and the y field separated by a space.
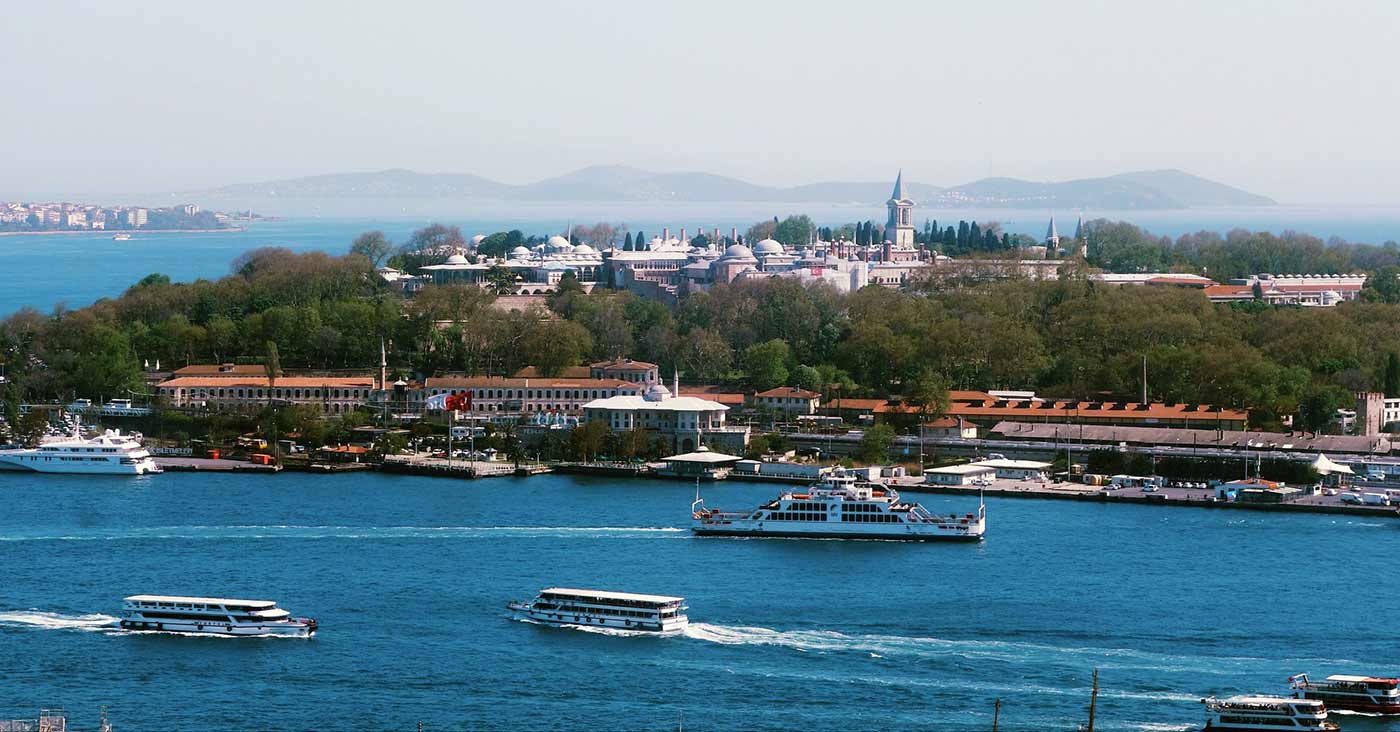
pixel 1152 499
pixel 133 232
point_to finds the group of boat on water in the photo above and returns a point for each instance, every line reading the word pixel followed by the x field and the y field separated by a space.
pixel 840 506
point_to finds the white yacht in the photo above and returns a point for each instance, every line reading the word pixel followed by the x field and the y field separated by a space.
pixel 211 615
pixel 110 452
pixel 1253 713
pixel 1370 694
pixel 564 606
pixel 844 507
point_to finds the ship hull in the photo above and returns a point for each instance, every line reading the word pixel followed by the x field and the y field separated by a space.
pixel 32 462
pixel 824 534
pixel 1357 706
pixel 295 630
pixel 565 620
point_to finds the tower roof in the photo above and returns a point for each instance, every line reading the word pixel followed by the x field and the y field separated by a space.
pixel 898 194
pixel 1050 233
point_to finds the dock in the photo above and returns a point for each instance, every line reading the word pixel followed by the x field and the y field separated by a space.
pixel 443 468
pixel 212 465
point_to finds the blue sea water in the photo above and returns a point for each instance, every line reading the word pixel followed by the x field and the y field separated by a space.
pixel 409 578
pixel 44 271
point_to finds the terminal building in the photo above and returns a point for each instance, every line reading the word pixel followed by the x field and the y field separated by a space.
pixel 683 422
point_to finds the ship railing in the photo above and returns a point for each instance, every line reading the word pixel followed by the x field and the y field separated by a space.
pixel 713 514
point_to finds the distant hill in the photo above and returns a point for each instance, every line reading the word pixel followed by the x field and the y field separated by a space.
pixel 397 183
pixel 1148 189
pixel 1151 189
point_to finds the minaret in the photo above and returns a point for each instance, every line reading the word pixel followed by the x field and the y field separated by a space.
pixel 383 367
pixel 899 229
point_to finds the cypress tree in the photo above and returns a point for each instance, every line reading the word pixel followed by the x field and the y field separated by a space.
pixel 962 235
pixel 627 243
pixel 989 241
pixel 640 242
pixel 950 237
pixel 974 236
pixel 1392 375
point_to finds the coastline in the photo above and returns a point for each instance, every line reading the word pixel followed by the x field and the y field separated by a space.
pixel 100 232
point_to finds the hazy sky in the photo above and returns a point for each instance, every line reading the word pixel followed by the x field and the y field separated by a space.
pixel 1296 100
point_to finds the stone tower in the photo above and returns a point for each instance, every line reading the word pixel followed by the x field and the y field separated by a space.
pixel 899 229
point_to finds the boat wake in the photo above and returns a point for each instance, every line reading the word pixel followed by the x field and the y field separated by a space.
pixel 39 619
pixel 359 532
pixel 890 646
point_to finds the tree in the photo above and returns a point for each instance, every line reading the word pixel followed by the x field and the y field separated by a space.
pixel 766 364
pixel 929 392
pixel 1258 291
pixel 587 440
pixel 372 245
pixel 552 345
pixel 501 279
pixel 272 366
pixel 704 354
pixel 874 446
pixel 761 230
pixel 794 231
pixel 1392 375
pixel 1319 407
pixel 32 426
pixel 155 279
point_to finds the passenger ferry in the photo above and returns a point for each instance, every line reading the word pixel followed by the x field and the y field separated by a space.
pixel 110 453
pixel 1251 713
pixel 211 615
pixel 844 507
pixel 564 606
pixel 1371 694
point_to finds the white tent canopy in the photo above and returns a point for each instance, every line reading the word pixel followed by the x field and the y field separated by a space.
pixel 1324 466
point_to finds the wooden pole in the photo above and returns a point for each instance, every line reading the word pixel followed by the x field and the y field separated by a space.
pixel 1093 700
pixel 996 713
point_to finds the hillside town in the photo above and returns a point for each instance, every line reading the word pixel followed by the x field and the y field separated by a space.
pixel 18 216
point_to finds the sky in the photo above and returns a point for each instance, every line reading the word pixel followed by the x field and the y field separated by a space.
pixel 1291 99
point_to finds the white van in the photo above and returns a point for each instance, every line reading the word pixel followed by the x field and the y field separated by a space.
pixel 1375 499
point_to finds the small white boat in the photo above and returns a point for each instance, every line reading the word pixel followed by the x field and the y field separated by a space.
pixel 211 616
pixel 1257 713
pixel 565 606
pixel 121 237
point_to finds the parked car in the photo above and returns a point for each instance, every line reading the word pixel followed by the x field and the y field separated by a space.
pixel 1351 498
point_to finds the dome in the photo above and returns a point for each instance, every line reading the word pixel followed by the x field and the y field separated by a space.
pixel 584 249
pixel 520 252
pixel 738 251
pixel 457 259
pixel 478 239
pixel 657 393
pixel 768 246
pixel 557 241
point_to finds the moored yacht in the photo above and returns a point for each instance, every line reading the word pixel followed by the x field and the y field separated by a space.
pixel 840 506
pixel 110 452
pixel 1371 694
pixel 1253 713
pixel 565 606
pixel 211 615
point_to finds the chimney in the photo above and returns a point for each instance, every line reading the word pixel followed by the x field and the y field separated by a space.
pixel 665 235
pixel 682 234
pixel 734 234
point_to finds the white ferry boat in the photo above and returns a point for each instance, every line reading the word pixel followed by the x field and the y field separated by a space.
pixel 1252 713
pixel 1371 694
pixel 110 453
pixel 564 606
pixel 121 237
pixel 211 615
pixel 840 506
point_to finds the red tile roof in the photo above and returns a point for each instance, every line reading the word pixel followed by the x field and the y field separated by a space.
pixel 789 392
pixel 188 382
pixel 505 382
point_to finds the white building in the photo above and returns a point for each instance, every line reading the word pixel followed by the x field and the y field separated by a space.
pixel 966 474
pixel 684 422
pixel 1017 469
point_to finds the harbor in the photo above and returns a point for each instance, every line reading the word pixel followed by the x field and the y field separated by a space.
pixel 408 577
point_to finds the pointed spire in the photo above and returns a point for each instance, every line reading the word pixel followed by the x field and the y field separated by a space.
pixel 898 194
pixel 1051 236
